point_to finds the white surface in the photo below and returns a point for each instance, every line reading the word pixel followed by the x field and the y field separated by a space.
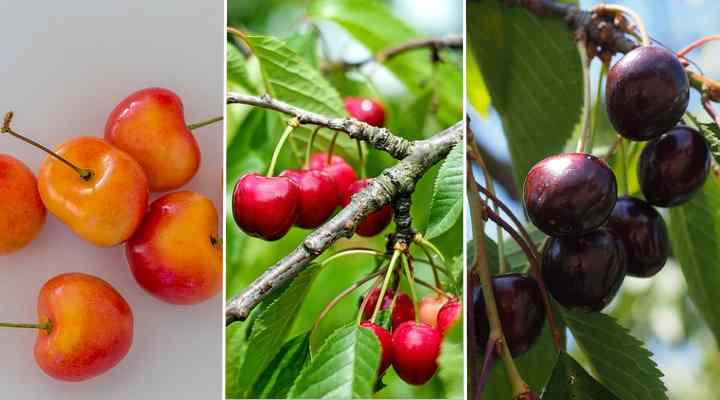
pixel 63 68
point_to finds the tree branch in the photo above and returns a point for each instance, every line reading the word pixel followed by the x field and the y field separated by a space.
pixel 418 157
pixel 599 30
pixel 404 232
pixel 379 138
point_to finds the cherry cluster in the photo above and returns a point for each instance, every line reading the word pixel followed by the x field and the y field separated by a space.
pixel 268 206
pixel 411 346
pixel 595 238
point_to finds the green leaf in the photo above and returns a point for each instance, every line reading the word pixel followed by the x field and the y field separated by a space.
pixel 279 375
pixel 289 78
pixel 272 326
pixel 570 381
pixel 236 71
pixel 345 367
pixel 372 23
pixel 454 282
pixel 476 90
pixel 305 45
pixel 447 201
pixel 533 72
pixel 620 361
pixel 695 237
pixel 711 132
pixel 236 347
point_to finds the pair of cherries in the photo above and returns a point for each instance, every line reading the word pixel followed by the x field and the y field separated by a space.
pixel 267 207
pixel 412 347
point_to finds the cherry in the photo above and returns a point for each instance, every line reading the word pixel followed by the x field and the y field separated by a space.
pixel 429 307
pixel 317 196
pixel 265 207
pixel 584 273
pixel 569 194
pixel 415 347
pixel 385 344
pixel 339 170
pixel 448 315
pixel 643 232
pixel 374 222
pixel 366 110
pixel 647 93
pixel 22 212
pixel 673 166
pixel 403 310
pixel 520 308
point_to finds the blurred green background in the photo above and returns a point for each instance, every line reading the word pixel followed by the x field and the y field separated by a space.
pixel 432 103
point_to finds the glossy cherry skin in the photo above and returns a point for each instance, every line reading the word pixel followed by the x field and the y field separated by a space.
pixel 175 255
pixel 448 315
pixel 374 222
pixel 569 194
pixel 583 273
pixel 520 308
pixel 339 170
pixel 672 167
pixel 416 347
pixel 385 344
pixel 107 208
pixel 647 92
pixel 150 126
pixel 403 310
pixel 22 213
pixel 318 196
pixel 429 307
pixel 265 207
pixel 644 234
pixel 366 110
pixel 91 327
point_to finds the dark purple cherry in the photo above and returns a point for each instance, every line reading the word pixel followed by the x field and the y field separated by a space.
pixel 584 273
pixel 569 194
pixel 644 234
pixel 647 93
pixel 520 307
pixel 673 166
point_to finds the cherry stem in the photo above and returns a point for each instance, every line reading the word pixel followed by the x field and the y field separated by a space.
pixel 45 326
pixel 692 46
pixel 206 122
pixel 84 173
pixel 329 306
pixel 361 156
pixel 386 282
pixel 481 268
pixel 292 124
pixel 585 141
pixel 331 148
pixel 411 282
pixel 351 251
pixel 709 109
pixel 485 369
pixel 535 268
pixel 363 304
pixel 644 37
pixel 308 150
pixel 420 240
pixel 475 153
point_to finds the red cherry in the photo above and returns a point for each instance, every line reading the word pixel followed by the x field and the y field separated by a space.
pixel 374 222
pixel 416 347
pixel 366 110
pixel 403 311
pixel 385 344
pixel 448 315
pixel 265 207
pixel 317 196
pixel 338 169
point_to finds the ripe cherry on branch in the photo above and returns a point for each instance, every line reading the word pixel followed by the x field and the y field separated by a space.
pixel 339 170
pixel 367 110
pixel 520 308
pixel 385 340
pixel 448 315
pixel 374 222
pixel 415 349
pixel 265 207
pixel 403 310
pixel 672 167
pixel 569 194
pixel 584 273
pixel 318 196
pixel 647 92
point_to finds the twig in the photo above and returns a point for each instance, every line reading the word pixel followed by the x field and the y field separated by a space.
pixel 434 44
pixel 400 178
pixel 379 138
pixel 697 44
